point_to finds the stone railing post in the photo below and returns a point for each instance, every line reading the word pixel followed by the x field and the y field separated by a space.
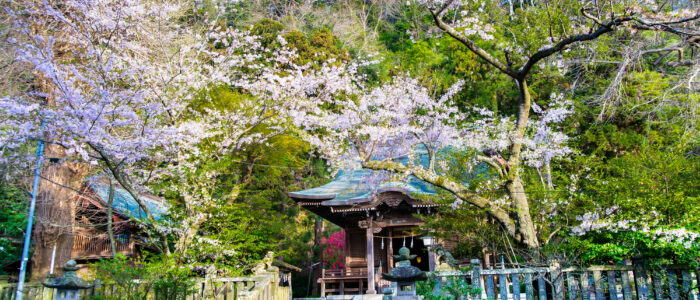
pixel 557 278
pixel 640 278
pixel 476 278
pixel 275 272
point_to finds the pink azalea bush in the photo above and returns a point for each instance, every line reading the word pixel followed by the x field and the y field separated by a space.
pixel 333 254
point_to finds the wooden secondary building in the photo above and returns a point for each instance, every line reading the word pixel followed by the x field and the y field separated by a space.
pixel 378 221
pixel 90 238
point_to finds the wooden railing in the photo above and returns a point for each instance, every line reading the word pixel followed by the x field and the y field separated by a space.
pixel 337 281
pixel 619 282
pixel 344 273
pixel 98 246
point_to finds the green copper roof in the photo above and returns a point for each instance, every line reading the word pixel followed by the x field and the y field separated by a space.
pixel 352 187
pixel 356 186
pixel 125 204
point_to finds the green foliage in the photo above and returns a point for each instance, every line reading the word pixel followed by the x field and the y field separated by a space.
pixel 614 247
pixel 455 287
pixel 268 31
pixel 644 177
pixel 161 277
pixel 317 48
pixel 13 220
pixel 253 214
pixel 425 289
pixel 263 218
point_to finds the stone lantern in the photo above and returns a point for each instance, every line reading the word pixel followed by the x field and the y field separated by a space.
pixel 68 286
pixel 405 276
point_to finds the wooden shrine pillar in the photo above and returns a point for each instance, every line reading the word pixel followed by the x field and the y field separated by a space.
pixel 370 261
pixel 390 250
pixel 370 254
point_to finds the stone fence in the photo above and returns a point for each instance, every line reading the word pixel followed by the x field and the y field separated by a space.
pixel 267 283
pixel 613 282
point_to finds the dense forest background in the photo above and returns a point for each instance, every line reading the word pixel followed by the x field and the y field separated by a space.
pixel 628 189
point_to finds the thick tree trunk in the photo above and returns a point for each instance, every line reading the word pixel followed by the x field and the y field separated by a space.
pixel 185 239
pixel 527 234
pixel 319 227
pixel 55 213
pixel 521 124
pixel 55 207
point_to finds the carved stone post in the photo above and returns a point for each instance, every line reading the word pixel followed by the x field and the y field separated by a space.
pixel 476 278
pixel 431 260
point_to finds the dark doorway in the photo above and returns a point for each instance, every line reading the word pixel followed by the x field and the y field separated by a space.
pixel 421 260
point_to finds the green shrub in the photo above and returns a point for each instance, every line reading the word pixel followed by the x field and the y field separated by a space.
pixel 455 287
pixel 137 278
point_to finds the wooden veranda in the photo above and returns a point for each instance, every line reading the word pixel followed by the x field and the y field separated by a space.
pixel 94 247
pixel 348 281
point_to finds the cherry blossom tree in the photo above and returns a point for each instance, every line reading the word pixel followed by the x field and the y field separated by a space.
pixel 122 99
pixel 519 66
pixel 135 100
pixel 99 91
pixel 382 125
pixel 379 128
pixel 118 101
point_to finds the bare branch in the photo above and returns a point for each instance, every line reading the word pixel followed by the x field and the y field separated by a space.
pixel 442 9
pixel 551 235
pixel 544 53
pixel 608 94
pixel 470 44
pixel 585 13
pixel 664 26
pixel 602 29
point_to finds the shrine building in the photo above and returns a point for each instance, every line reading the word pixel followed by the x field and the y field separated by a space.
pixel 378 221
